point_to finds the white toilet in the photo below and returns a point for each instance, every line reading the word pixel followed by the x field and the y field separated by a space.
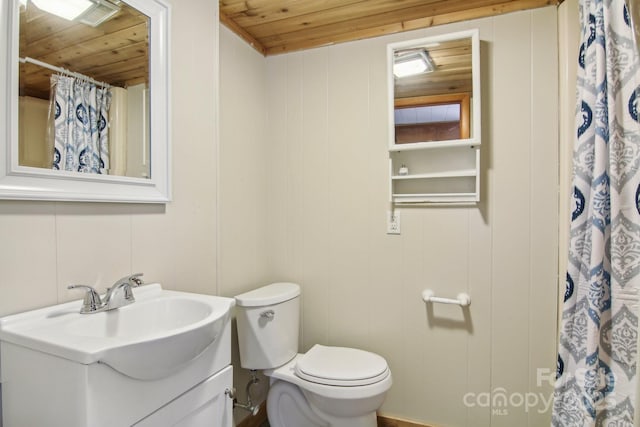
pixel 327 386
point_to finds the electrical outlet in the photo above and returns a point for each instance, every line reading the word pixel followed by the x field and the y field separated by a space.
pixel 393 222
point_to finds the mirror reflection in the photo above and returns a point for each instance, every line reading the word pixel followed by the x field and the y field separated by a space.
pixel 433 90
pixel 84 87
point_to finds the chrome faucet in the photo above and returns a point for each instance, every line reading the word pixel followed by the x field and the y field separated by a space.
pixel 118 295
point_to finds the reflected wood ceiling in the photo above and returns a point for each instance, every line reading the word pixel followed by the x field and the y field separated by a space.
pixel 279 26
pixel 452 74
pixel 115 52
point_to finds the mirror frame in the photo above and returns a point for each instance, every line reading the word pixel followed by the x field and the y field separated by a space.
pixel 475 139
pixel 29 183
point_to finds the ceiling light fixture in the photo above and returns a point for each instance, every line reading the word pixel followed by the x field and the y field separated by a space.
pixel 89 12
pixel 410 64
pixel 67 9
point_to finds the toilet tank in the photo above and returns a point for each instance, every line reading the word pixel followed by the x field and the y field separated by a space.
pixel 268 320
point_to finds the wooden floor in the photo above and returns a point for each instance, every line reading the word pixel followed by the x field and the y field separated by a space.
pixel 260 420
pixel 382 422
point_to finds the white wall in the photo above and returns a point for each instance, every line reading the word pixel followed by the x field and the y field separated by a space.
pixel 327 201
pixel 244 155
pixel 47 246
pixel 32 130
pixel 242 198
pixel 138 155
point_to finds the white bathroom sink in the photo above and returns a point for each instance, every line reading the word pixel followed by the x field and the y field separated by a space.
pixel 150 339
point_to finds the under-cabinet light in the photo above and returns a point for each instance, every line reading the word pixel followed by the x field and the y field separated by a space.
pixel 413 63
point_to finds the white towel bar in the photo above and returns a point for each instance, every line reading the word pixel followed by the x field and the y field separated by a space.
pixel 463 299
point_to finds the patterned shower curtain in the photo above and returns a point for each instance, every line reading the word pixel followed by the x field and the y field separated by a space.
pixel 596 378
pixel 81 117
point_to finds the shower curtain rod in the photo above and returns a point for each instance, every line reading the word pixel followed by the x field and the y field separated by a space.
pixel 63 71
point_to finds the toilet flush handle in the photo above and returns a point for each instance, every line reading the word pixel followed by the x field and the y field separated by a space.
pixel 268 314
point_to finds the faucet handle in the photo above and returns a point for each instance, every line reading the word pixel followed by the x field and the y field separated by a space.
pixel 91 302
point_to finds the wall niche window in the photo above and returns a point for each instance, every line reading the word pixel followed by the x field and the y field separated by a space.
pixel 432 118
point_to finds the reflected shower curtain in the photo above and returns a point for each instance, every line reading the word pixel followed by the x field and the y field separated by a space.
pixel 596 378
pixel 81 117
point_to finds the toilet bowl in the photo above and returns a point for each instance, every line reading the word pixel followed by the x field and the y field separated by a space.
pixel 327 386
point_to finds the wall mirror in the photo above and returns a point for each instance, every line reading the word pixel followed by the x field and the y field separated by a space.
pixel 434 116
pixel 85 102
pixel 434 91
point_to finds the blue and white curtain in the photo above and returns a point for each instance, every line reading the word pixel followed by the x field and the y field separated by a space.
pixel 596 378
pixel 81 117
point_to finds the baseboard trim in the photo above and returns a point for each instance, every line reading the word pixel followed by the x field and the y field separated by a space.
pixel 383 421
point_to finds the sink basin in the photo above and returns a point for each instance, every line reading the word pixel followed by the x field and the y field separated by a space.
pixel 150 339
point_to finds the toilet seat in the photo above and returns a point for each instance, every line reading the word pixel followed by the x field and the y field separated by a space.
pixel 340 366
pixel 287 373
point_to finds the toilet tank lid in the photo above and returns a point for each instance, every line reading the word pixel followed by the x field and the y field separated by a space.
pixel 274 293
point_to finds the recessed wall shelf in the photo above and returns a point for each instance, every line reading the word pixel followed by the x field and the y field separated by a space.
pixel 442 174
pixel 449 174
pixel 450 198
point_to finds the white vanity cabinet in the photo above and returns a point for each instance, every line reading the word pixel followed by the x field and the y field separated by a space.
pixel 39 389
pixel 58 367
pixel 207 404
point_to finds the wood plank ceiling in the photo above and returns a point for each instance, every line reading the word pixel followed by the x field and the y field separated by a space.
pixel 279 26
pixel 115 52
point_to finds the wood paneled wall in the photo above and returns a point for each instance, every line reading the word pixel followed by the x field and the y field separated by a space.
pixel 327 205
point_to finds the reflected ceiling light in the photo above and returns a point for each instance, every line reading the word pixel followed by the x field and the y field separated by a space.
pixel 67 9
pixel 412 63
pixel 89 12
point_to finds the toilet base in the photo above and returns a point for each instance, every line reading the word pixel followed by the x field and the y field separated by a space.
pixel 288 407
